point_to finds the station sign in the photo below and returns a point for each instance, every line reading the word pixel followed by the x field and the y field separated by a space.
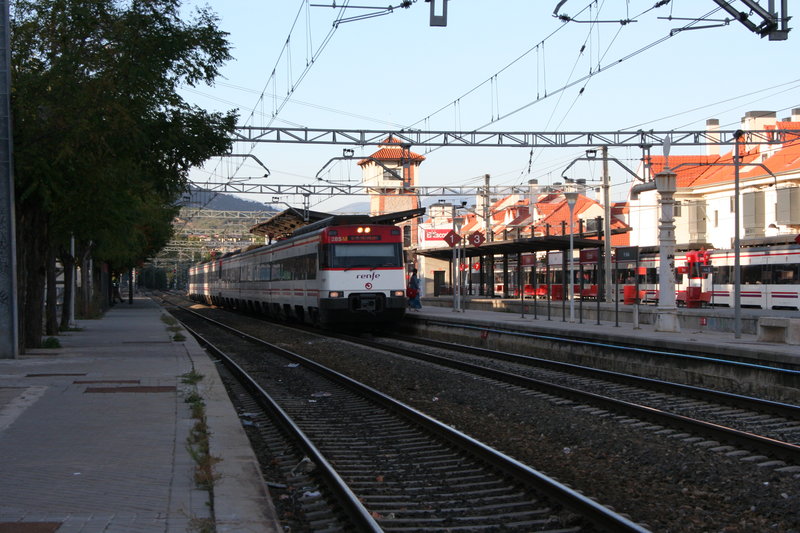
pixel 627 254
pixel 452 238
pixel 590 256
pixel 436 234
pixel 476 238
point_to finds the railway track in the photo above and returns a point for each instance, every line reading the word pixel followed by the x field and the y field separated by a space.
pixel 382 466
pixel 760 426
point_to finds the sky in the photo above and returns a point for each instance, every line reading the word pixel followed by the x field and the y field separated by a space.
pixel 496 66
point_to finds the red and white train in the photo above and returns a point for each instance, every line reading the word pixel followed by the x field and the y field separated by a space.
pixel 323 274
pixel 769 277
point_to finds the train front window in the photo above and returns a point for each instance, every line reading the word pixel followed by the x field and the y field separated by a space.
pixel 358 255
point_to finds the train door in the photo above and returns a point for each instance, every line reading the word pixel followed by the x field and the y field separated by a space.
pixel 555 275
pixel 439 283
pixel 784 290
pixel 697 291
pixel 588 274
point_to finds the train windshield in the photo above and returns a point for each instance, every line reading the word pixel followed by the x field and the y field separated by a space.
pixel 358 255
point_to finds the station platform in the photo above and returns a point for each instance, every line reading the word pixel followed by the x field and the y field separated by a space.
pixel 693 337
pixel 94 435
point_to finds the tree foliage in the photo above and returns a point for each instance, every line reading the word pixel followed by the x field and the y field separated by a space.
pixel 103 140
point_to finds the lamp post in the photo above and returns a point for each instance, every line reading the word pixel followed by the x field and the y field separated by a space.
pixel 572 198
pixel 667 312
pixel 591 155
pixel 737 266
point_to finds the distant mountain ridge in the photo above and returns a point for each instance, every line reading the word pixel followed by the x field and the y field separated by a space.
pixel 197 197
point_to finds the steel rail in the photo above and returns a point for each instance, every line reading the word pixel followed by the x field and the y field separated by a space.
pixel 592 511
pixel 783 450
pixel 793 372
pixel 736 400
pixel 354 509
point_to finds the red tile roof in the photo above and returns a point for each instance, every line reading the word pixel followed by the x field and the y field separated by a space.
pixel 561 214
pixel 388 152
pixel 700 170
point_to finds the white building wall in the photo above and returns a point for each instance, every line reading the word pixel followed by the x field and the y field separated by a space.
pixel 643 219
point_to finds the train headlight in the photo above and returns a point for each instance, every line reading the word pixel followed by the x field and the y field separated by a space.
pixel 335 294
pixel 399 293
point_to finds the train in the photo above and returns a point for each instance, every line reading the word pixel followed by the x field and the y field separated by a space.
pixel 324 274
pixel 769 277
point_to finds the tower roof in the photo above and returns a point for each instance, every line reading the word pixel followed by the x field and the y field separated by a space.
pixel 391 149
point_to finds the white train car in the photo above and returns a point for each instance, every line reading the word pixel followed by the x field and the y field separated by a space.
pixel 769 277
pixel 321 275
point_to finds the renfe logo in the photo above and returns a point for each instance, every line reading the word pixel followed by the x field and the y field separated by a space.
pixel 371 275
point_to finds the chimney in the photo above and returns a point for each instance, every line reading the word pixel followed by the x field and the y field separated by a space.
pixel 757 120
pixel 712 128
pixel 796 114
pixel 533 194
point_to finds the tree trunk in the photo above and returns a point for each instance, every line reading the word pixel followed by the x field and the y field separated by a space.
pixel 69 274
pixel 84 296
pixel 31 259
pixel 51 308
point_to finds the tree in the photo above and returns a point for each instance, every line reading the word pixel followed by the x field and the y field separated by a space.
pixel 103 140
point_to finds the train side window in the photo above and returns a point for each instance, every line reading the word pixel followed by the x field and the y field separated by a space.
pixel 324 254
pixel 786 274
pixel 311 266
pixel 722 275
pixel 755 274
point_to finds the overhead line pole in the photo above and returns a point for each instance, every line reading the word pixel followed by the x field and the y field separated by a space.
pixel 9 336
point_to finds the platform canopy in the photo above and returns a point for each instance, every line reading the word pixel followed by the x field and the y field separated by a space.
pixel 515 246
pixel 292 220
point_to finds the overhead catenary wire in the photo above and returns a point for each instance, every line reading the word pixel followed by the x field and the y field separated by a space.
pixel 292 84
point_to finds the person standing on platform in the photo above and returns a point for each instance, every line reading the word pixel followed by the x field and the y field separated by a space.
pixel 413 291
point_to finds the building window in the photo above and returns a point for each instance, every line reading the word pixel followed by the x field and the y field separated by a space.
pixel 677 212
pixel 395 173
pixel 716 218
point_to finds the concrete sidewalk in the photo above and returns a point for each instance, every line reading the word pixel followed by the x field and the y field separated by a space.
pixel 94 435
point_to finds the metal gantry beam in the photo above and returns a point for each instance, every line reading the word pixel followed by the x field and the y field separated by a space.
pixel 504 139
pixel 217 213
pixel 357 190
pixel 774 24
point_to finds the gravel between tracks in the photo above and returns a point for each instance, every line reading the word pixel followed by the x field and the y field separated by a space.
pixel 662 482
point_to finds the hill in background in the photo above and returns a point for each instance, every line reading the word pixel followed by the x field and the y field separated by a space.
pixel 217 201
